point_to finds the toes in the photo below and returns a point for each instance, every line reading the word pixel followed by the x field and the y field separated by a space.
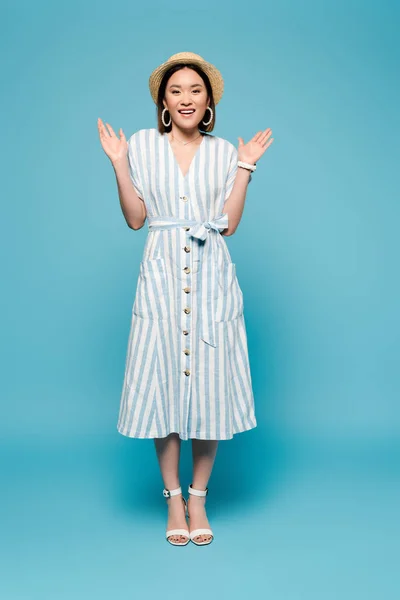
pixel 175 538
pixel 201 538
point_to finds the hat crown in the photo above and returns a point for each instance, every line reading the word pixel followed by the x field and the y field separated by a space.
pixel 181 55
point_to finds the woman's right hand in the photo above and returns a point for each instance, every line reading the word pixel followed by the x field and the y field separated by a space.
pixel 115 148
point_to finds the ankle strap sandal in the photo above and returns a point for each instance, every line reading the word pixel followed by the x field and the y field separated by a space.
pixel 204 530
pixel 171 532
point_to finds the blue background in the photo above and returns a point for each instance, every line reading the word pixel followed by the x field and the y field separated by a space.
pixel 306 505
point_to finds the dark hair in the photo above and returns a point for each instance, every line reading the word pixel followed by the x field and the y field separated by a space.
pixel 161 94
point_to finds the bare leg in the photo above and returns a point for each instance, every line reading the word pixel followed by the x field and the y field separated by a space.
pixel 168 454
pixel 203 452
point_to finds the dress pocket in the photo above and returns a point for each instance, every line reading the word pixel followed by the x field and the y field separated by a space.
pixel 229 296
pixel 152 290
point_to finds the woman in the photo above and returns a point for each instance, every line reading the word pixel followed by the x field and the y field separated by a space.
pixel 187 373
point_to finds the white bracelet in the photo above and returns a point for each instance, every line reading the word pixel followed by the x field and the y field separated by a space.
pixel 246 165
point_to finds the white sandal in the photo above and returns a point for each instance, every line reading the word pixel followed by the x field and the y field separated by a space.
pixel 202 531
pixel 170 532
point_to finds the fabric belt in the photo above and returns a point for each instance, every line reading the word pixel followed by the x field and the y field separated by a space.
pixel 200 230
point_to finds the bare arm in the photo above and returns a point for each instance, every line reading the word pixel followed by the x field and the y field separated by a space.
pixel 234 205
pixel 116 148
pixel 133 208
pixel 249 153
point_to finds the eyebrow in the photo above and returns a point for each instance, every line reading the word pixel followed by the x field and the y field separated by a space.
pixel 179 86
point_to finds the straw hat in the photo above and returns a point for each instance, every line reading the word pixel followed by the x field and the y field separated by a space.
pixel 215 77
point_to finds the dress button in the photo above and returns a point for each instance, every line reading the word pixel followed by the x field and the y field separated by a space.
pixel 186 310
pixel 186 290
pixel 186 249
pixel 187 269
pixel 184 198
pixel 186 351
pixel 185 332
pixel 187 372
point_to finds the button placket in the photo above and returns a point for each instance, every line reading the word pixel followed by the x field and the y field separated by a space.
pixel 186 302
pixel 187 307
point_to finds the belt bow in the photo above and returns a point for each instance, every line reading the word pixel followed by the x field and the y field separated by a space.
pixel 201 230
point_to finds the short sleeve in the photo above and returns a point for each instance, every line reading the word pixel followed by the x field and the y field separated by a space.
pixel 232 170
pixel 133 166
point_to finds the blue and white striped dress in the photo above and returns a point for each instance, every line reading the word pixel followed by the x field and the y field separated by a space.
pixel 187 366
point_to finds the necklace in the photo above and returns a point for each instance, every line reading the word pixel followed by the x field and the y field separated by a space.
pixel 184 143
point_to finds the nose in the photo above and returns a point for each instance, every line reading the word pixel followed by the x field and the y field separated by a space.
pixel 186 102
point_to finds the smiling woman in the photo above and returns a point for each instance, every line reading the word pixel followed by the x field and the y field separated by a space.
pixel 184 93
pixel 187 371
pixel 185 87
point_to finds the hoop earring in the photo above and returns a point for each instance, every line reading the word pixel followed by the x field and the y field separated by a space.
pixel 162 118
pixel 211 118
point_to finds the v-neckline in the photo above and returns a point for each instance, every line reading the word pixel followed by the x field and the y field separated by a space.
pixel 193 159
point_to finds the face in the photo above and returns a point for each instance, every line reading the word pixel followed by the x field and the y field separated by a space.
pixel 186 90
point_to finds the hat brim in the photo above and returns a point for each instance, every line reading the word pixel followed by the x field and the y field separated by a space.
pixel 213 74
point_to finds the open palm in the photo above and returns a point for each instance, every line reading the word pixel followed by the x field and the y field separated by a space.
pixel 115 147
pixel 256 147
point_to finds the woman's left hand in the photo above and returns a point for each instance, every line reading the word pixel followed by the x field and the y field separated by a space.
pixel 256 147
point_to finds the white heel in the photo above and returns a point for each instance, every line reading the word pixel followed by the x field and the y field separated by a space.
pixel 204 530
pixel 170 532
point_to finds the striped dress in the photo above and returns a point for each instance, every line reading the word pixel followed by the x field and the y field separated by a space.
pixel 187 366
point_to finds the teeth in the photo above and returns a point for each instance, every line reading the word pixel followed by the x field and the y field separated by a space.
pixel 186 112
